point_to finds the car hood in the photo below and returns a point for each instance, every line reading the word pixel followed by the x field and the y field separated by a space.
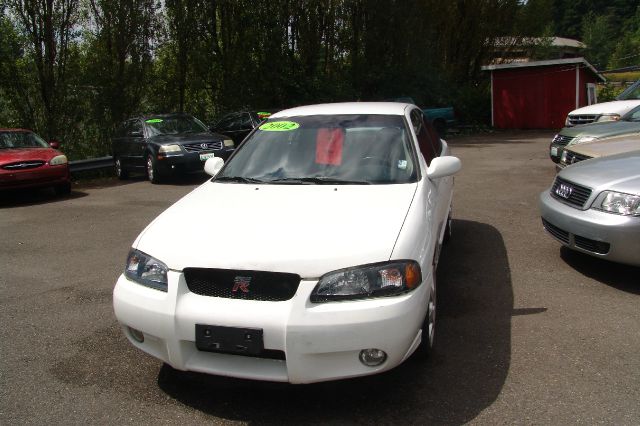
pixel 619 172
pixel 602 130
pixel 610 146
pixel 613 107
pixel 184 138
pixel 8 156
pixel 304 229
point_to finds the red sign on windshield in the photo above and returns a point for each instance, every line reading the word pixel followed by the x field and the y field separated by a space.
pixel 329 146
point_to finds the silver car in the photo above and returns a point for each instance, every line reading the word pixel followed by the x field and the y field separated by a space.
pixel 594 207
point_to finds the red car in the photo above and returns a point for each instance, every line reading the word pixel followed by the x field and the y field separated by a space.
pixel 27 161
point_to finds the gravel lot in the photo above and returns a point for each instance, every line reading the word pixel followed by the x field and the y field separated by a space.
pixel 527 332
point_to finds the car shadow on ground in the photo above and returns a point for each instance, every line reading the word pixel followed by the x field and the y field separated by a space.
pixel 617 275
pixel 465 375
pixel 31 197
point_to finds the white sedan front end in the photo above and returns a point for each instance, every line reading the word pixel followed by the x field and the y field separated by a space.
pixel 317 278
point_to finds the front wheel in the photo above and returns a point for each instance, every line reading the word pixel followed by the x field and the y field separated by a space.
pixel 63 189
pixel 152 170
pixel 425 349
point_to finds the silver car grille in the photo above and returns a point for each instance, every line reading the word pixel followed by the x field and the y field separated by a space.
pixel 572 240
pixel 570 193
pixel 203 146
pixel 576 120
pixel 562 140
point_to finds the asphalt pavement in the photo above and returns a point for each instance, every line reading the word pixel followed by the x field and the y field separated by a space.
pixel 527 332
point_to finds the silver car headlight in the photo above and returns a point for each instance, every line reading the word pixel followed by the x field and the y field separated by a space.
pixel 608 117
pixel 146 270
pixel 374 280
pixel 618 203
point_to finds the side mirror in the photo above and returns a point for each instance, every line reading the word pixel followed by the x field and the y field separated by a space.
pixel 54 144
pixel 443 166
pixel 213 165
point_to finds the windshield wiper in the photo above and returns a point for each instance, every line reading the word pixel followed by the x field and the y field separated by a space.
pixel 240 179
pixel 321 180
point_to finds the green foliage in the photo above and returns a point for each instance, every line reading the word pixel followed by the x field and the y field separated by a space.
pixel 75 70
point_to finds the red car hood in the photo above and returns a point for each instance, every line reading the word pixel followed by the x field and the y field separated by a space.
pixel 8 156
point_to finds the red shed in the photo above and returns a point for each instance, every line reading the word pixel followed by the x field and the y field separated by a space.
pixel 539 95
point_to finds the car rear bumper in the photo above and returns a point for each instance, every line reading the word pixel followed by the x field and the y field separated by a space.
pixel 33 178
pixel 594 232
pixel 318 342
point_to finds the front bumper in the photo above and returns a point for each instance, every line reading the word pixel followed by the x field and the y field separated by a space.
pixel 320 341
pixel 187 162
pixel 43 176
pixel 605 235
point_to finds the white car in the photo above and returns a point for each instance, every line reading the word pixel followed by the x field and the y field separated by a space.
pixel 600 113
pixel 310 256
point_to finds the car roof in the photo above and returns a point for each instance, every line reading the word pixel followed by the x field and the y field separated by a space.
pixel 380 108
pixel 16 130
pixel 164 115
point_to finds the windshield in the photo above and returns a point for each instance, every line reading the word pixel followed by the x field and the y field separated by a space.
pixel 348 149
pixel 631 92
pixel 633 115
pixel 21 140
pixel 174 125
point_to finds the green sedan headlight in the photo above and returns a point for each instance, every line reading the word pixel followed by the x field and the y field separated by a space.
pixel 366 281
pixel 228 143
pixel 146 270
pixel 618 203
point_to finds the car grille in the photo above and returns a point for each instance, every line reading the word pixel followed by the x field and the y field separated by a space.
pixel 246 285
pixel 573 157
pixel 556 232
pixel 203 146
pixel 576 120
pixel 569 192
pixel 593 246
pixel 562 140
pixel 23 165
pixel 586 244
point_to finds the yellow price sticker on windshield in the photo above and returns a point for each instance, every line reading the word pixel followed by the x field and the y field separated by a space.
pixel 279 126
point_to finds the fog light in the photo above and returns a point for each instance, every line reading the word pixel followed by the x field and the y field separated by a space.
pixel 372 357
pixel 137 335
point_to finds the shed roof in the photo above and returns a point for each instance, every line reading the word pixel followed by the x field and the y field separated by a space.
pixel 566 61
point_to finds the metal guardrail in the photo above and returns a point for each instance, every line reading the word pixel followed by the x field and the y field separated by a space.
pixel 91 164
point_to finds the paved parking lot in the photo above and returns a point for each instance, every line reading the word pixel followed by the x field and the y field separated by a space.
pixel 527 332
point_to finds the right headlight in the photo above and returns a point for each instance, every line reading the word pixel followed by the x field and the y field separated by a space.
pixel 618 203
pixel 146 270
pixel 583 139
pixel 366 281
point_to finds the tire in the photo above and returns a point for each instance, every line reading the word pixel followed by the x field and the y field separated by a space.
pixel 63 189
pixel 426 347
pixel 152 170
pixel 121 173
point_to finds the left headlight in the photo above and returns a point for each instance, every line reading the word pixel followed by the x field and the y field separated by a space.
pixel 361 282
pixel 608 117
pixel 619 203
pixel 146 270
pixel 58 160
pixel 228 143
pixel 168 149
